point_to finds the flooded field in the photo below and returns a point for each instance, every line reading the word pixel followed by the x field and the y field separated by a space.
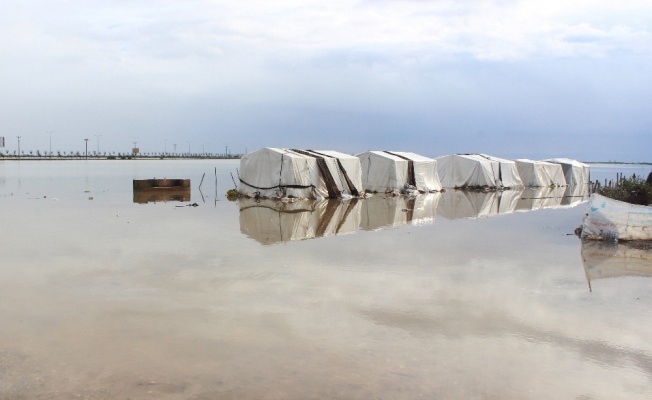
pixel 106 294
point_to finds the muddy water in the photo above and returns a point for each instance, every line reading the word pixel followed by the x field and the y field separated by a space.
pixel 449 296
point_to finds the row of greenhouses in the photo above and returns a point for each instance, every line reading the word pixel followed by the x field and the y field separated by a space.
pixel 295 173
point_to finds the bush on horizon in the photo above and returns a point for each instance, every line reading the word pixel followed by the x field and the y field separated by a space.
pixel 633 190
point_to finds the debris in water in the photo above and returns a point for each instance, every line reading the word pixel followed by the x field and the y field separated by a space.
pixel 232 194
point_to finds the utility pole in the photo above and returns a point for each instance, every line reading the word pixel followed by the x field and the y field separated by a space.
pixel 86 148
pixel 175 148
pixel 50 132
pixel 98 143
pixel 18 146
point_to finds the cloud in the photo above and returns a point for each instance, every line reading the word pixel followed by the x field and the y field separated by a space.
pixel 358 72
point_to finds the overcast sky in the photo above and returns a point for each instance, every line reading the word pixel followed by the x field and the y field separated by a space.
pixel 510 78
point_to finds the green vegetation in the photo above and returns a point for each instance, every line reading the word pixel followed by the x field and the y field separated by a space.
pixel 232 194
pixel 634 190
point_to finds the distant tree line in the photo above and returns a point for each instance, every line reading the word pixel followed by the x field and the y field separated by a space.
pixel 42 155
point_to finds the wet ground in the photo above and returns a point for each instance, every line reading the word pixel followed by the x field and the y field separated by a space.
pixel 451 295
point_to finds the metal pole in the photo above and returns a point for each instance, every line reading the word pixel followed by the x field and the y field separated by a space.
pixel 18 146
pixel 50 132
pixel 86 148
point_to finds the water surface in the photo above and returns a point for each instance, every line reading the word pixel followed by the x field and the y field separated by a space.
pixel 450 295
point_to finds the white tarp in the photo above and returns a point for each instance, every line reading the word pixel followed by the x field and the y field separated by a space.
pixel 575 172
pixel 467 170
pixel 382 171
pixel 349 165
pixel 508 173
pixel 425 171
pixel 616 220
pixel 540 173
pixel 273 172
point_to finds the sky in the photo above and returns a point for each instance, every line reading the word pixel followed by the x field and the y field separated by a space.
pixel 515 79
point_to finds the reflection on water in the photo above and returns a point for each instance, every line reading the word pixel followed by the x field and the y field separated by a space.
pixel 269 221
pixel 456 204
pixel 107 299
pixel 145 196
pixel 380 211
pixel 611 260
pixel 161 190
pixel 541 197
pixel 576 194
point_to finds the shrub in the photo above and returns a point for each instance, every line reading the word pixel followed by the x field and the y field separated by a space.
pixel 634 190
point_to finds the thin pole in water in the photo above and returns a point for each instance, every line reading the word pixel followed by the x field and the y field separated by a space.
pixel 202 180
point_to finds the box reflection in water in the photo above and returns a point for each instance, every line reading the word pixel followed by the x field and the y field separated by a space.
pixel 161 190
pixel 165 195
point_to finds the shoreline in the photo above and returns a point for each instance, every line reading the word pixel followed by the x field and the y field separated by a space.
pixel 117 158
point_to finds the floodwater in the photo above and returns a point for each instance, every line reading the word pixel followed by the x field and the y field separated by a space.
pixel 446 296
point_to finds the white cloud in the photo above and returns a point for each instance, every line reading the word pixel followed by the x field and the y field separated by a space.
pixel 424 63
pixel 482 29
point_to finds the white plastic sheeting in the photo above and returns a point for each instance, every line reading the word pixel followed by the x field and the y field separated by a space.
pixel 575 172
pixel 274 172
pixel 508 173
pixel 540 173
pixel 464 170
pixel 425 171
pixel 382 171
pixel 349 164
pixel 616 220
